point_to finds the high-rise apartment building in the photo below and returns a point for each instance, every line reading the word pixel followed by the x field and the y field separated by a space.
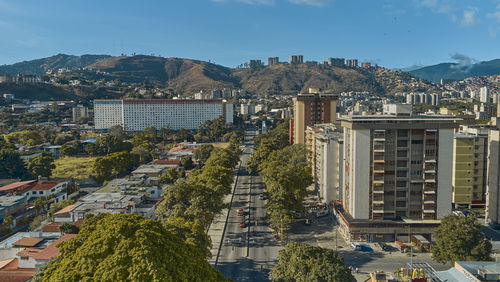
pixel 397 173
pixel 493 186
pixel 296 59
pixel 352 63
pixel 79 111
pixel 254 63
pixel 336 62
pixel 484 95
pixel 271 61
pixel 310 109
pixel 138 114
pixel 328 171
pixel 470 156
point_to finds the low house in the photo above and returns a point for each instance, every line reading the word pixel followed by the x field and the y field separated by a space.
pixel 54 150
pixel 12 205
pixel 150 170
pixel 48 188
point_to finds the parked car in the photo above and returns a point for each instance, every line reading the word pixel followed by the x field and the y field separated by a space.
pixel 240 212
pixel 356 246
pixel 262 197
pixel 243 223
pixel 321 213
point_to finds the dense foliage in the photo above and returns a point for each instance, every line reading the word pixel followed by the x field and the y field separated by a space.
pixel 459 238
pixel 113 165
pixel 273 140
pixel 41 166
pixel 11 165
pixel 286 183
pixel 301 262
pixel 128 247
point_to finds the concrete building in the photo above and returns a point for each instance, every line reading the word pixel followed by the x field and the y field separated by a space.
pixel 366 65
pixel 423 98
pixel 247 109
pixel 484 95
pixel 271 61
pixel 327 165
pixel 470 156
pixel 296 59
pixel 352 63
pixel 79 112
pixel 254 63
pixel 336 62
pixel 493 186
pixel 138 114
pixel 312 108
pixel 397 173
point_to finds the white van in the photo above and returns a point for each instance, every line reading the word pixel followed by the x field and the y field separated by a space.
pixel 356 246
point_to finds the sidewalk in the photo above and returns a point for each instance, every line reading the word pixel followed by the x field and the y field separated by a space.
pixel 216 228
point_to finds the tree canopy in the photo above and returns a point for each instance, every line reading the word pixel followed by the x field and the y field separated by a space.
pixel 41 166
pixel 128 247
pixel 11 165
pixel 113 165
pixel 302 262
pixel 459 238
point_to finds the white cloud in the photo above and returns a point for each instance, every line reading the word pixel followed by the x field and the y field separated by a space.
pixel 469 18
pixel 311 2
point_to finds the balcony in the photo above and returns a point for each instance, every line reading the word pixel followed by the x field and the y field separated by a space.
pixel 429 211
pixel 378 148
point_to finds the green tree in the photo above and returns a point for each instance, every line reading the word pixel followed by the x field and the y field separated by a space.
pixel 117 131
pixel 275 139
pixel 170 177
pixel 187 162
pixel 128 247
pixel 41 166
pixel 62 139
pixel 191 232
pixel 7 222
pixel 302 262
pixel 113 165
pixel 203 152
pixel 68 228
pixel 286 183
pixel 142 152
pixel 69 150
pixel 459 238
pixel 55 207
pixel 11 165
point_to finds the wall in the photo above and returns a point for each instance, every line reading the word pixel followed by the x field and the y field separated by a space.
pixel 445 159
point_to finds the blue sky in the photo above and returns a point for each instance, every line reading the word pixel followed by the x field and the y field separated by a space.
pixel 392 33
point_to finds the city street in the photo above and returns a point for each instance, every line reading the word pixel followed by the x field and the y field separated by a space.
pixel 247 253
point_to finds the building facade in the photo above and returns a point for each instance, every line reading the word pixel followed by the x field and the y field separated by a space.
pixel 328 171
pixel 470 156
pixel 493 186
pixel 138 114
pixel 271 61
pixel 397 174
pixel 296 59
pixel 79 112
pixel 310 109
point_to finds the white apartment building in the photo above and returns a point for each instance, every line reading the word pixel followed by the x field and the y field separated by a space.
pixel 138 114
pixel 328 165
pixel 484 95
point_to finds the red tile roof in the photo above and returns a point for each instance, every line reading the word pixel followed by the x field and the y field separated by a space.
pixel 161 162
pixel 16 185
pixel 29 252
pixel 45 185
pixel 10 271
pixel 27 242
pixel 66 209
pixel 52 251
pixel 54 227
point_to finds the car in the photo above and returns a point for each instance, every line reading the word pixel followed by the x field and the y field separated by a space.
pixel 243 223
pixel 298 214
pixel 321 213
pixel 261 196
pixel 240 212
pixel 307 221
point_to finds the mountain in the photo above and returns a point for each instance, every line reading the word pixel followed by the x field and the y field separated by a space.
pixel 186 76
pixel 60 61
pixel 455 71
pixel 182 75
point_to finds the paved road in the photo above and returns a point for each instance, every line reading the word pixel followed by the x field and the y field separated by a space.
pixel 247 254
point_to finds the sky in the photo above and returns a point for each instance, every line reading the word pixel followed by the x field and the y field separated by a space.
pixel 390 33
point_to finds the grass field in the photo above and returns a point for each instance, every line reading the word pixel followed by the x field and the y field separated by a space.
pixel 73 167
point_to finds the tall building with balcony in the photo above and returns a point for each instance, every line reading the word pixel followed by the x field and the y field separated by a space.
pixel 310 109
pixel 328 171
pixel 470 156
pixel 493 186
pixel 398 173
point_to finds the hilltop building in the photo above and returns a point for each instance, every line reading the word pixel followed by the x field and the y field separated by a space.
pixel 271 61
pixel 296 59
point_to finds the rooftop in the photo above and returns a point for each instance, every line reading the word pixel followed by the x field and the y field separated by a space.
pixel 52 251
pixel 27 242
pixel 10 271
pixel 45 185
pixel 15 185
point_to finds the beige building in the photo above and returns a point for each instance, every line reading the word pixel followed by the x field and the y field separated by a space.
pixel 470 156
pixel 328 170
pixel 493 186
pixel 397 174
pixel 310 109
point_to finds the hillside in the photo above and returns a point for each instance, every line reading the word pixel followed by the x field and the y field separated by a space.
pixel 45 92
pixel 40 66
pixel 456 71
pixel 182 75
pixel 186 76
